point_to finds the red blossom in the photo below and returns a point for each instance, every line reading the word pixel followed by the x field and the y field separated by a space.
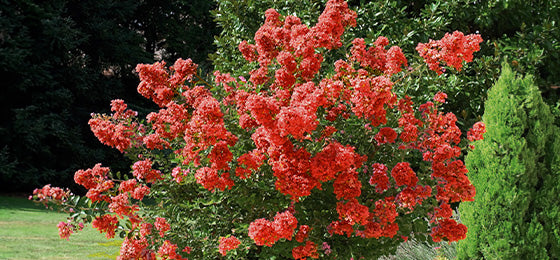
pixel 353 212
pixel 210 180
pixel 142 170
pixel 371 97
pixel 227 244
pixel 262 232
pixel 106 224
pixel 249 51
pixel 284 224
pixel 307 250
pixel 252 161
pixel 168 250
pixel 96 181
pixel 386 135
pixel 170 122
pixel 121 206
pixel 65 230
pixel 452 50
pixel 48 194
pixel 162 226
pixel 341 227
pixel 303 233
pixel 476 132
pixel 183 70
pixel 347 185
pixel 440 97
pixel 379 177
pixel 135 248
pixel 178 174
pixel 146 229
pixel 376 57
pixel 220 156
pixel 154 83
pixel 114 134
pixel 404 175
pixel 450 230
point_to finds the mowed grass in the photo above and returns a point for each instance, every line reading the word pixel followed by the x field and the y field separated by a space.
pixel 28 231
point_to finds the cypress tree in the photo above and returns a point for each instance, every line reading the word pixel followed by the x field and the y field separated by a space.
pixel 515 170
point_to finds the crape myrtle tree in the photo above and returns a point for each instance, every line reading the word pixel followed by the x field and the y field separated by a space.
pixel 290 161
pixel 61 60
pixel 515 169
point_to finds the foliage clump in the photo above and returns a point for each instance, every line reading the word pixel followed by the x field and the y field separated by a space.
pixel 515 169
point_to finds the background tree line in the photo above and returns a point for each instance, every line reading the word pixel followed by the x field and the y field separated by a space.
pixel 62 60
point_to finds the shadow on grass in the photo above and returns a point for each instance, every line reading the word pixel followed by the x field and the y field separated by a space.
pixel 19 203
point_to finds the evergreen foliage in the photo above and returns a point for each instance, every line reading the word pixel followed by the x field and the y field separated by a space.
pixel 515 170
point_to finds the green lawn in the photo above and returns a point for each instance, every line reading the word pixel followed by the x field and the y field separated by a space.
pixel 28 231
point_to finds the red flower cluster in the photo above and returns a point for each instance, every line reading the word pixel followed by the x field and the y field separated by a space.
pixel 135 248
pixel 252 161
pixel 476 132
pixel 178 174
pixel 262 232
pixel 370 97
pixel 65 229
pixel 48 194
pixel 227 244
pixel 116 130
pixel 106 224
pixel 168 250
pixel 386 135
pixel 452 49
pixel 157 84
pixel 450 230
pixel 162 226
pixel 142 170
pixel 377 58
pixel 305 251
pixel 404 175
pixel 352 212
pixel 96 181
pixel 168 124
pixel 379 177
pixel 265 232
pixel 303 233
pixel 211 180
pixel 440 97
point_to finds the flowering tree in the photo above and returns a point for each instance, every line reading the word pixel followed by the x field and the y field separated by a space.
pixel 293 162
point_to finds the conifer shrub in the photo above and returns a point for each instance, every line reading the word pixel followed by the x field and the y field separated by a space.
pixel 515 171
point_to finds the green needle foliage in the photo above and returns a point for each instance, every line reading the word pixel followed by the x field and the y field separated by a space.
pixel 515 170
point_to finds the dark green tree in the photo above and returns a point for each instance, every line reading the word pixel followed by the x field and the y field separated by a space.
pixel 515 171
pixel 177 29
pixel 64 59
